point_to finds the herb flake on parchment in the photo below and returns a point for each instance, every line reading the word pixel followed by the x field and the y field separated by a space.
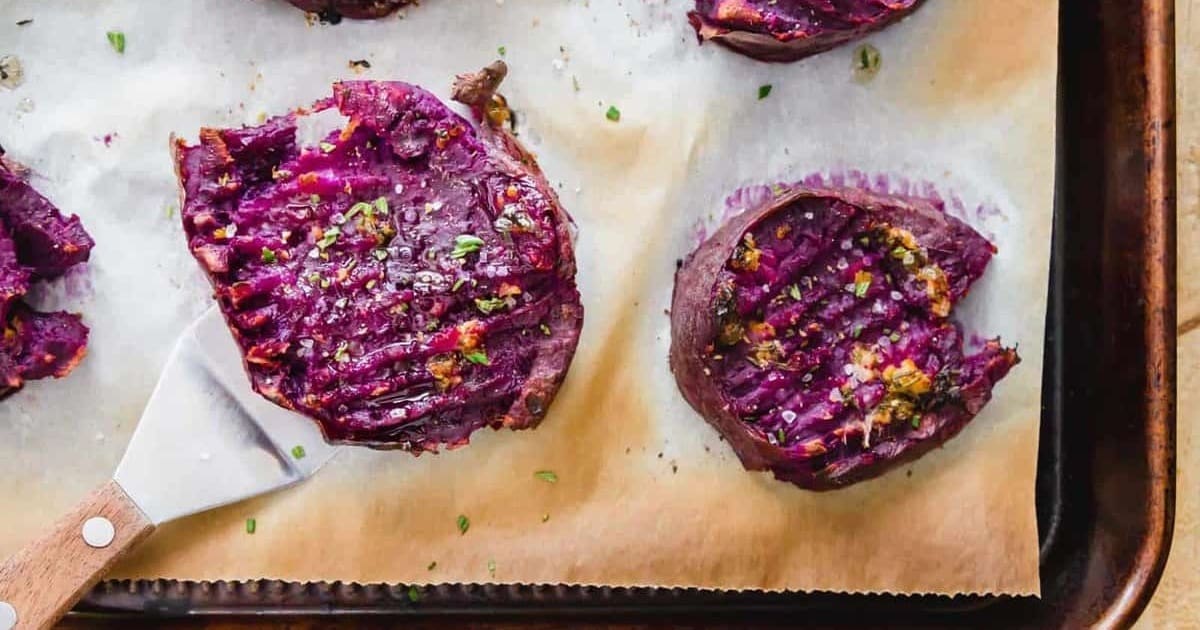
pixel 116 39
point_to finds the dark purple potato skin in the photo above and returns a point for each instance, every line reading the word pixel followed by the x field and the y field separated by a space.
pixel 835 310
pixel 788 30
pixel 353 9
pixel 36 242
pixel 446 301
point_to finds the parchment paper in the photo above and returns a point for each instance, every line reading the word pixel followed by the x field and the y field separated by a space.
pixel 647 494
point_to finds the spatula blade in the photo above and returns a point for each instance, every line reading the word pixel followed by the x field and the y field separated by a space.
pixel 207 439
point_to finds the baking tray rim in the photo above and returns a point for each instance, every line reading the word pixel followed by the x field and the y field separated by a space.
pixel 172 597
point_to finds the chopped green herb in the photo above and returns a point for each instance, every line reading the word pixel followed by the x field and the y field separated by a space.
pixel 867 61
pixel 342 354
pixel 547 476
pixel 314 278
pixel 794 292
pixel 894 337
pixel 478 357
pixel 916 421
pixel 464 524
pixel 856 332
pixel 116 39
pixel 381 204
pixel 545 329
pixel 251 525
pixel 380 254
pixel 414 595
pixel 327 147
pixel 899 252
pixel 491 567
pixel 764 91
pixel 432 566
pixel 465 244
pixel 781 436
pixel 861 286
pixel 298 451
pixel 361 206
pixel 501 50
pixel 314 199
pixel 330 237
pixel 487 305
pixel 613 113
pixel 170 211
pixel 268 255
pixel 864 58
pixel 325 282
pixel 458 284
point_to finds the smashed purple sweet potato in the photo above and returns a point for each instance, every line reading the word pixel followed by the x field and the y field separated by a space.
pixel 788 30
pixel 49 344
pixel 406 282
pixel 814 333
pixel 47 242
pixel 36 242
pixel 335 10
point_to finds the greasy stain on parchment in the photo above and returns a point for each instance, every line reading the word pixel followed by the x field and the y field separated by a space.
pixel 979 51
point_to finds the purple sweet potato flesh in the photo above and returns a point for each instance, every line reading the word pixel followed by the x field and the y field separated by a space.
pixel 354 9
pixel 48 344
pixel 48 243
pixel 14 277
pixel 405 283
pixel 787 30
pixel 814 333
pixel 36 242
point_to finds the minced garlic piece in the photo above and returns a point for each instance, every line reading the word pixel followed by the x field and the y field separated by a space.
pixel 746 255
pixel 469 334
pixel 937 288
pixel 444 369
pixel 766 353
pixel 761 330
pixel 907 379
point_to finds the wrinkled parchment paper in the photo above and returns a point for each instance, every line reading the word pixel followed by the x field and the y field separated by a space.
pixel 647 494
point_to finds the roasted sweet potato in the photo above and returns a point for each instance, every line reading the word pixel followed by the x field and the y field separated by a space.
pixel 334 10
pixel 405 282
pixel 788 30
pixel 814 333
pixel 37 242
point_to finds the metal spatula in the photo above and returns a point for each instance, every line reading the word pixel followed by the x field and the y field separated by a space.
pixel 205 440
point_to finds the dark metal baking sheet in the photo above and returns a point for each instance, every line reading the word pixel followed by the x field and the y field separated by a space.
pixel 1106 464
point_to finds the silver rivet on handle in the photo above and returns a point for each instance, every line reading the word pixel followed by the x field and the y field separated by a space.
pixel 8 616
pixel 98 532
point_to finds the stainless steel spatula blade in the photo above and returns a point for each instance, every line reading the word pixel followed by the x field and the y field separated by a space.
pixel 207 439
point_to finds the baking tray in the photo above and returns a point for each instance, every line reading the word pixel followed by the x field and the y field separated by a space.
pixel 1106 474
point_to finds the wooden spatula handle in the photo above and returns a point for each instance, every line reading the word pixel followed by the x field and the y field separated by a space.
pixel 45 578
